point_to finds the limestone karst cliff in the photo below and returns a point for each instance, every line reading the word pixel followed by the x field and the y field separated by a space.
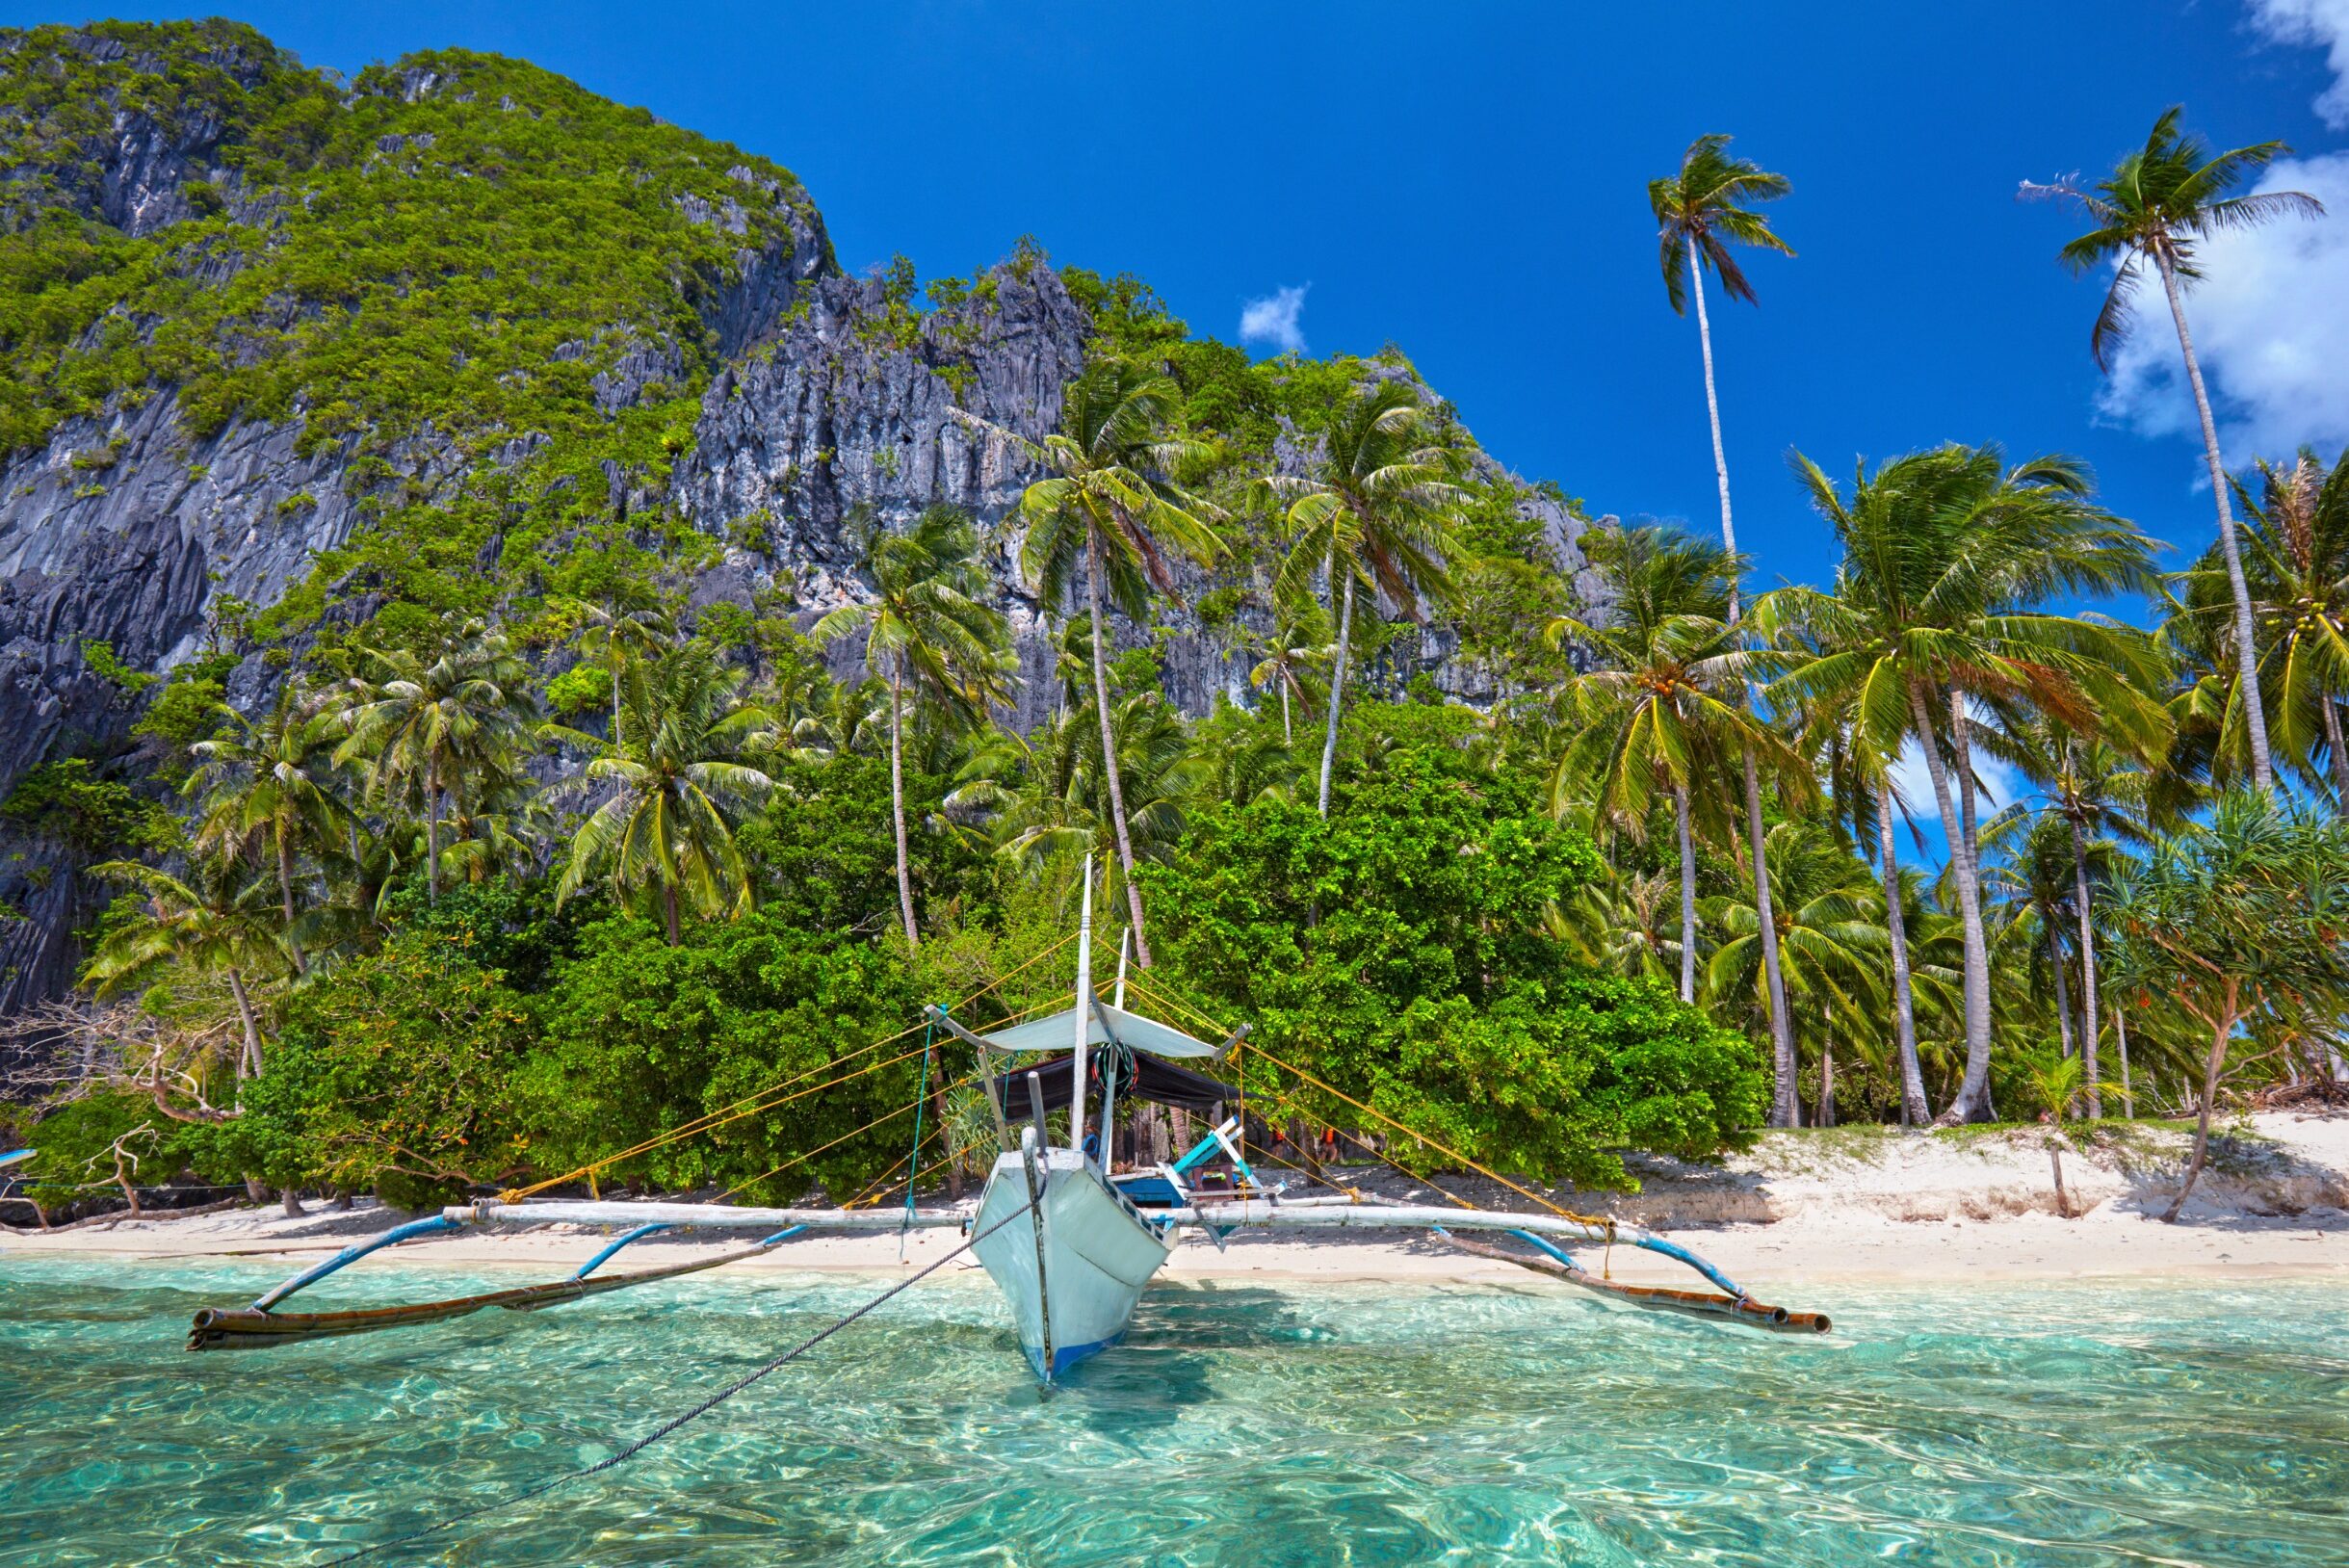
pixel 285 357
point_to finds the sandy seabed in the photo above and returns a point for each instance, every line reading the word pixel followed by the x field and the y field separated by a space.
pixel 1851 1205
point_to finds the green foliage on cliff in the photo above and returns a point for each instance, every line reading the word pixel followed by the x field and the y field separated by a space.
pixel 460 244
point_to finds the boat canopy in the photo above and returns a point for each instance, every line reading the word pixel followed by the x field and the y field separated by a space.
pixel 1131 1029
pixel 1159 1082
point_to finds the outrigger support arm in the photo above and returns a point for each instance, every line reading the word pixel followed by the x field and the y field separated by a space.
pixel 690 1215
pixel 1533 1228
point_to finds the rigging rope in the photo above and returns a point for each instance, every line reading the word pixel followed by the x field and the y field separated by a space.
pixel 706 1405
pixel 1449 1154
pixel 744 1106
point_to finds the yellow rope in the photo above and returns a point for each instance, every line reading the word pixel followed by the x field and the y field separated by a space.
pixel 746 1105
pixel 1448 1153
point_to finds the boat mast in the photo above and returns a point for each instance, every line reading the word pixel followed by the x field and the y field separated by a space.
pixel 1085 1010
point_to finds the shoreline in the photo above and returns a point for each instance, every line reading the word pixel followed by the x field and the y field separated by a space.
pixel 1795 1212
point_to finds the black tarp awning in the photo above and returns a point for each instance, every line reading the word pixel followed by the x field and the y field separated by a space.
pixel 1150 1078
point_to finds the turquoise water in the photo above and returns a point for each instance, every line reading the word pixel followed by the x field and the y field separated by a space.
pixel 2073 1425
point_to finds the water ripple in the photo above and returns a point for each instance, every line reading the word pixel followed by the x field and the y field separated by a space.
pixel 1358 1426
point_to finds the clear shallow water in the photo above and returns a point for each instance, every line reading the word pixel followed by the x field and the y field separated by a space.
pixel 1352 1424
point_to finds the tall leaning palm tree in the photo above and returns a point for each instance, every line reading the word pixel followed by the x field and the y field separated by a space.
pixel 1663 711
pixel 270 781
pixel 1947 555
pixel 2296 563
pixel 1701 212
pixel 439 727
pixel 679 787
pixel 926 627
pixel 1113 507
pixel 1375 510
pixel 2157 207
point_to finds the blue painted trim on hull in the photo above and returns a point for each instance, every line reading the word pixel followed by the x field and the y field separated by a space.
pixel 1065 1356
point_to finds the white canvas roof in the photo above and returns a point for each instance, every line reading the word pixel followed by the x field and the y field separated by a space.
pixel 1057 1032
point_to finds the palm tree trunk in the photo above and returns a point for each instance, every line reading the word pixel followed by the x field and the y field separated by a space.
pixel 1913 1112
pixel 668 913
pixel 1109 746
pixel 1679 812
pixel 2333 751
pixel 897 802
pixel 1289 734
pixel 1785 1104
pixel 285 893
pixel 248 1064
pixel 1785 1107
pixel 2246 651
pixel 1825 1117
pixel 1713 412
pixel 2120 1036
pixel 615 700
pixel 431 843
pixel 2063 985
pixel 2090 1023
pixel 2221 1035
pixel 1972 1100
pixel 1961 757
pixel 1337 686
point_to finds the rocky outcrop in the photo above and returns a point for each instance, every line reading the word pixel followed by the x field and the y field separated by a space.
pixel 126 532
pixel 833 410
pixel 828 429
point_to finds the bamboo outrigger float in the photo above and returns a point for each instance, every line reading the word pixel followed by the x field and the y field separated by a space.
pixel 1071 1244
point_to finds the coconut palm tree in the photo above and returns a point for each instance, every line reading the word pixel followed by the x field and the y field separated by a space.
pixel 1289 654
pixel 926 627
pixel 679 787
pixel 1831 935
pixel 626 621
pixel 2155 208
pixel 1045 795
pixel 1699 213
pixel 432 729
pixel 270 781
pixel 1946 555
pixel 1113 506
pixel 2295 536
pixel 214 920
pixel 1663 711
pixel 2098 796
pixel 1376 511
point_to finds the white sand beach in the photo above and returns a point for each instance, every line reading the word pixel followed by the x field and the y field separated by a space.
pixel 1797 1209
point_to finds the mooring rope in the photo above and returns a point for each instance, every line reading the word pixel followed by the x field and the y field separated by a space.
pixel 702 1409
pixel 1597 1221
pixel 749 1105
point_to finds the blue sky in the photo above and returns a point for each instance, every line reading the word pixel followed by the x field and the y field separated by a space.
pixel 1469 182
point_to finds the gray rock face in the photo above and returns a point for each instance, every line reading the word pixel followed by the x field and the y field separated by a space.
pixel 823 422
pixel 827 429
pixel 124 532
pixel 131 174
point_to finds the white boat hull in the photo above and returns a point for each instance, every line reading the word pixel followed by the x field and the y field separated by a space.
pixel 1073 1282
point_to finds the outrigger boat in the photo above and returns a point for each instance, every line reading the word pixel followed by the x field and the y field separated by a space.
pixel 1071 1244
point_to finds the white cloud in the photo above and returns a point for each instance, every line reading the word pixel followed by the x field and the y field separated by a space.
pixel 2270 322
pixel 2322 23
pixel 1274 320
pixel 2001 786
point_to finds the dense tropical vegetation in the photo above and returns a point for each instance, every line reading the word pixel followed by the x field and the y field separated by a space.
pixel 518 870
